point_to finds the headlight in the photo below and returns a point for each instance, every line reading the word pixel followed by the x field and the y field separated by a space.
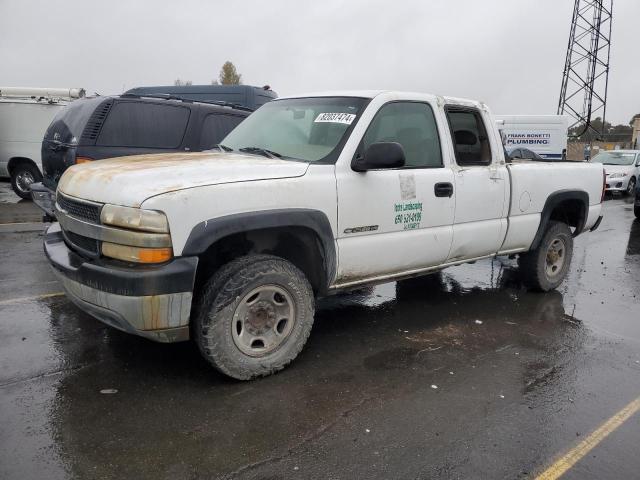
pixel 134 219
pixel 617 175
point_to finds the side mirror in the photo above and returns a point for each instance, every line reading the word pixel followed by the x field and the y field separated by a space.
pixel 380 155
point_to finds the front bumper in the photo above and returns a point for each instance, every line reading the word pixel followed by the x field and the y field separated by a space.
pixel 617 184
pixel 150 301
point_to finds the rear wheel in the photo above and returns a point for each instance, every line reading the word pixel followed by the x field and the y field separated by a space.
pixel 545 267
pixel 22 176
pixel 254 316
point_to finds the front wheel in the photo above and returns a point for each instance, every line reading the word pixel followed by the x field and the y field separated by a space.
pixel 254 316
pixel 631 188
pixel 22 176
pixel 545 267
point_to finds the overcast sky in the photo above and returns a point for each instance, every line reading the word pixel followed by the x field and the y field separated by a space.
pixel 508 53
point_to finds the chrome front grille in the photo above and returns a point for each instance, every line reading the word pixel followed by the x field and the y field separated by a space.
pixel 87 211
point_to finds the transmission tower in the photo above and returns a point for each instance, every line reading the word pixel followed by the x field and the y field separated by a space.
pixel 583 95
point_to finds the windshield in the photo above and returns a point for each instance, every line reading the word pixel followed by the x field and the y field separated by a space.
pixel 614 158
pixel 307 129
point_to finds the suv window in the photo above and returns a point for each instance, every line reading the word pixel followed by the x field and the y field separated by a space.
pixel 412 125
pixel 469 136
pixel 215 127
pixel 149 125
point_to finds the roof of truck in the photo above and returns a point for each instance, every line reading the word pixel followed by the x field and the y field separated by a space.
pixel 375 93
pixel 339 93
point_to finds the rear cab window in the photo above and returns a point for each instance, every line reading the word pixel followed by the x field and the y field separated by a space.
pixel 469 135
pixel 144 125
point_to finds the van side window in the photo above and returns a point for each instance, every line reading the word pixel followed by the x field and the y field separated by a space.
pixel 146 125
pixel 215 127
pixel 470 139
pixel 412 125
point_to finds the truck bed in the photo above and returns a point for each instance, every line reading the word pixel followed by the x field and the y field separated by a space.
pixel 533 183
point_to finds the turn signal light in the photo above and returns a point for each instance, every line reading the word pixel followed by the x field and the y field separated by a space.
pixel 136 254
pixel 80 160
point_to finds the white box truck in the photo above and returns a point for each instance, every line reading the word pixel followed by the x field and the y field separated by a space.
pixel 25 114
pixel 545 135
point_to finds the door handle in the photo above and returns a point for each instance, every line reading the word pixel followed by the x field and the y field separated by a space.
pixel 443 189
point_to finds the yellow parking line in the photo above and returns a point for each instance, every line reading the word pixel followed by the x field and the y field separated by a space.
pixel 583 448
pixel 26 299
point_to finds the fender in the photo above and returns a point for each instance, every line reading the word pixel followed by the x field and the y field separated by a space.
pixel 552 202
pixel 206 233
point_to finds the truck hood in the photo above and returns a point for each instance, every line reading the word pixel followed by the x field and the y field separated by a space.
pixel 129 181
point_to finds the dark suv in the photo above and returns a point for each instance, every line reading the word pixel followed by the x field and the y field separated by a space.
pixel 245 95
pixel 105 127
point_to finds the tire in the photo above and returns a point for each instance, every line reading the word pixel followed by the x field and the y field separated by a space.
pixel 22 176
pixel 631 188
pixel 231 322
pixel 636 210
pixel 541 268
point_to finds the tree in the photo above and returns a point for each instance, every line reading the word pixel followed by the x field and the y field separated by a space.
pixel 229 74
pixel 179 83
pixel 214 82
pixel 610 133
pixel 633 119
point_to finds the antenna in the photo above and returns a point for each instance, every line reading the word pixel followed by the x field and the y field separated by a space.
pixel 583 95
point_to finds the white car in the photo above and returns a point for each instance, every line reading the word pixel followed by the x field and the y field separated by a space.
pixel 622 168
pixel 309 196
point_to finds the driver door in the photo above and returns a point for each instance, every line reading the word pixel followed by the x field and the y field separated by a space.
pixel 392 221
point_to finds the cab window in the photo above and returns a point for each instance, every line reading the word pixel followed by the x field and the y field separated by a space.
pixel 412 125
pixel 470 139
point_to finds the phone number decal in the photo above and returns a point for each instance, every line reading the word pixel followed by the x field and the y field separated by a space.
pixel 408 214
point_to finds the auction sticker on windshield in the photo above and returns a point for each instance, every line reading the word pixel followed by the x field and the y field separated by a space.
pixel 346 118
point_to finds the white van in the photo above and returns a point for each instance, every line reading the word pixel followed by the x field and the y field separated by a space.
pixel 545 135
pixel 25 114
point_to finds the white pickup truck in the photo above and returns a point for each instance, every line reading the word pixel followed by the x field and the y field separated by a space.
pixel 309 196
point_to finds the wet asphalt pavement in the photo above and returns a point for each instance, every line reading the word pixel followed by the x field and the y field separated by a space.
pixel 521 378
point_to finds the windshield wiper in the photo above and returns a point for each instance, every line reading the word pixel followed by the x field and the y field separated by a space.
pixel 222 147
pixel 261 151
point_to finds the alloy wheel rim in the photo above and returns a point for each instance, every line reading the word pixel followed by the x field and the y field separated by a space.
pixel 263 320
pixel 23 180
